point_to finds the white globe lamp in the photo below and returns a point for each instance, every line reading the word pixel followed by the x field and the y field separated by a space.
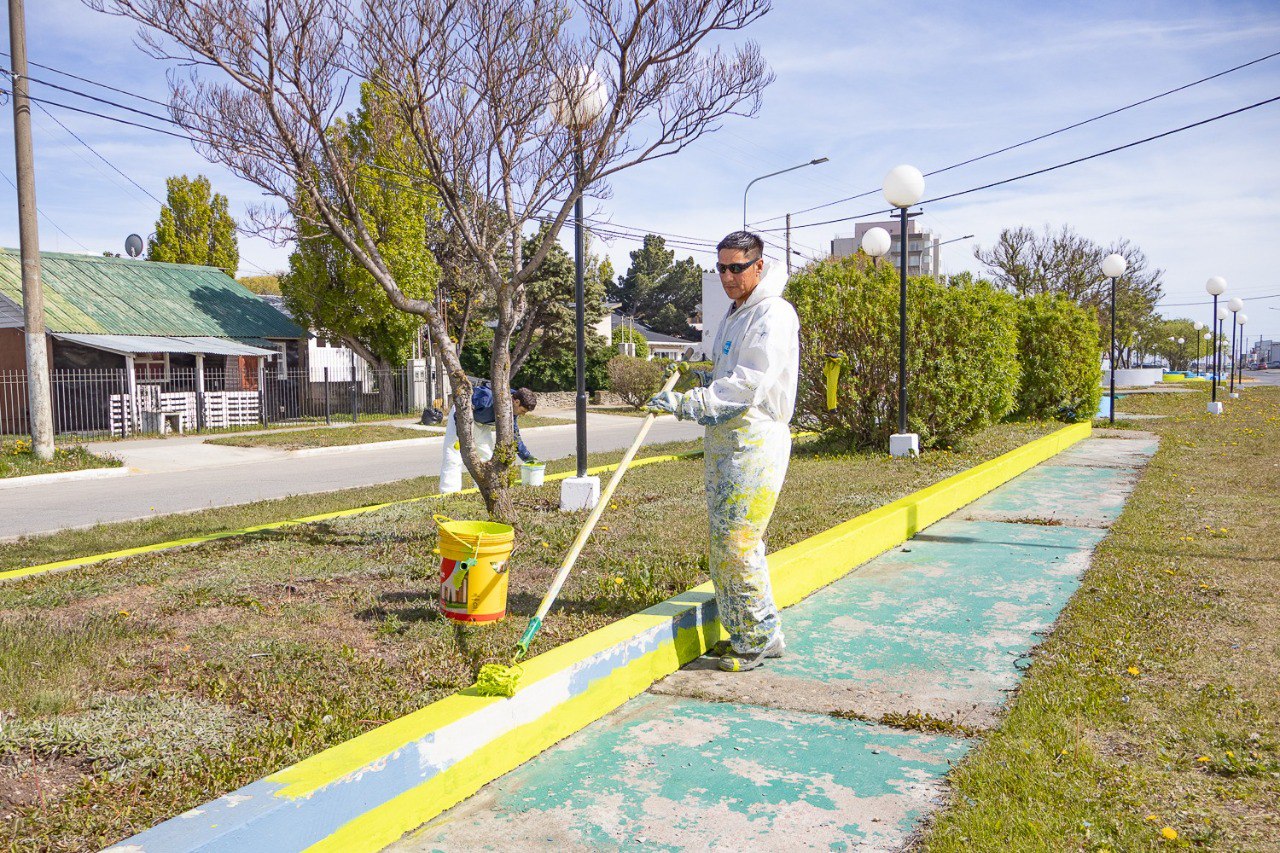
pixel 903 186
pixel 1113 266
pixel 876 242
pixel 578 99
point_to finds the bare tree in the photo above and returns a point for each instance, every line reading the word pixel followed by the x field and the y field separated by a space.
pixel 472 81
pixel 1065 262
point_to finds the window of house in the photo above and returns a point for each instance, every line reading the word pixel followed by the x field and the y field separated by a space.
pixel 151 366
pixel 281 359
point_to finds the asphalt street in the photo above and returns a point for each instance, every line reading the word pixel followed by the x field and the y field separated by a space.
pixel 184 475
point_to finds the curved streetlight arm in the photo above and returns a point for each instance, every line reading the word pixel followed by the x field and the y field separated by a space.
pixel 812 162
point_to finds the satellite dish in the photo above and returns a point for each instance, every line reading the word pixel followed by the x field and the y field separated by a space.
pixel 133 245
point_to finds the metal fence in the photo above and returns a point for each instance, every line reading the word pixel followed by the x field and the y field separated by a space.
pixel 94 404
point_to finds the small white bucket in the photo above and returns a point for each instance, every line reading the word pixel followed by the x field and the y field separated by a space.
pixel 531 475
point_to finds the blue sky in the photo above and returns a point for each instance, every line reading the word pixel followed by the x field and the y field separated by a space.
pixel 867 85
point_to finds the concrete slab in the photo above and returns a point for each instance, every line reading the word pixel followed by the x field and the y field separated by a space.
pixel 1078 494
pixel 1109 453
pixel 674 774
pixel 931 627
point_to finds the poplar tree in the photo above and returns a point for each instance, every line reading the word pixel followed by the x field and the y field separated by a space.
pixel 195 227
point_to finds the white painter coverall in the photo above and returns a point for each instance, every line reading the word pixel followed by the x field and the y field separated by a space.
pixel 747 408
pixel 451 464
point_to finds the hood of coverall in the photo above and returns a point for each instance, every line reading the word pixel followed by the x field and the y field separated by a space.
pixel 773 279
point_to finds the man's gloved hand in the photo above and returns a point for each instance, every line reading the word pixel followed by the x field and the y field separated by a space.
pixel 681 367
pixel 665 402
pixel 532 461
pixel 702 378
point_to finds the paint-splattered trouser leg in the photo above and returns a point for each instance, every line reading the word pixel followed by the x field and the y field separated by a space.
pixel 745 467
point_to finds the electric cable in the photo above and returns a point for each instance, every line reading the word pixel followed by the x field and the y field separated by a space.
pixel 1047 169
pixel 1042 136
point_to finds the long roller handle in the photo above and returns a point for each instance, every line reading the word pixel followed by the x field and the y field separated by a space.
pixel 585 533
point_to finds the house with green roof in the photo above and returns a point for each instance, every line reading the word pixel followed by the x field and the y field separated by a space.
pixel 164 328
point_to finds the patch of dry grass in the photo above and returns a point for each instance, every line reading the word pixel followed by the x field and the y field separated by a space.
pixel 302 638
pixel 1154 705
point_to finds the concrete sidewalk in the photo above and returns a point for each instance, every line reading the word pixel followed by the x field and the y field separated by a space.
pixel 798 754
pixel 184 475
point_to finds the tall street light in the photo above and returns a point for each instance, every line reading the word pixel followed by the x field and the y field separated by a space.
pixel 1235 304
pixel 1241 319
pixel 1181 350
pixel 812 162
pixel 1197 325
pixel 1113 266
pixel 1215 287
pixel 580 101
pixel 903 187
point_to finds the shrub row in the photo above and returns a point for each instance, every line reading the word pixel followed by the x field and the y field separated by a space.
pixel 975 354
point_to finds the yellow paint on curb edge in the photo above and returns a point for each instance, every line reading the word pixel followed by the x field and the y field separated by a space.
pixel 796 572
pixel 78 562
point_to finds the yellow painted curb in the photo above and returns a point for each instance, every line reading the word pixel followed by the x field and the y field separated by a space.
pixel 77 562
pixel 367 792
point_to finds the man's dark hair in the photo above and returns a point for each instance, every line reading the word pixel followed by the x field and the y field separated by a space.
pixel 526 398
pixel 742 241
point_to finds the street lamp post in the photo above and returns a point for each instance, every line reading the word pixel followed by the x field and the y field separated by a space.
pixel 1113 266
pixel 815 161
pixel 1241 319
pixel 1208 336
pixel 1215 288
pixel 577 105
pixel 1197 325
pixel 1235 305
pixel 903 187
pixel 1181 350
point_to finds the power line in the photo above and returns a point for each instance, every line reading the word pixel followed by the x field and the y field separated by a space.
pixel 87 80
pixel 47 219
pixel 1207 302
pixel 1041 136
pixel 1047 169
pixel 95 153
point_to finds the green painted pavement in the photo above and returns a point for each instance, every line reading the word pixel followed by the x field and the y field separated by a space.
pixel 946 620
pixel 667 773
pixel 940 626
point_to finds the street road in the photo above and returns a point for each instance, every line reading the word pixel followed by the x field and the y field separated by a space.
pixel 248 475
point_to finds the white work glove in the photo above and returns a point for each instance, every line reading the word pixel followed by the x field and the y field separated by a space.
pixel 664 402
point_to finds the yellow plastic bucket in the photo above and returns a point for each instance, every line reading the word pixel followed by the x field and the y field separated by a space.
pixel 474 556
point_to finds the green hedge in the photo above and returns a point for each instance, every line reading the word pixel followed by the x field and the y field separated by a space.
pixel 1061 365
pixel 962 353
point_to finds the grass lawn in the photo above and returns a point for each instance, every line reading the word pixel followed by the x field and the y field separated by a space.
pixel 17 460
pixel 628 411
pixel 1150 718
pixel 323 437
pixel 137 689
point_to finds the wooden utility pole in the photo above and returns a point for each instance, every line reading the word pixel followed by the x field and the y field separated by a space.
pixel 788 244
pixel 38 392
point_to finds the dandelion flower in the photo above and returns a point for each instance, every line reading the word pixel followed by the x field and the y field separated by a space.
pixel 544 544
pixel 1152 818
pixel 1133 670
pixel 613 506
pixel 617 580
pixel 1204 758
pixel 1170 833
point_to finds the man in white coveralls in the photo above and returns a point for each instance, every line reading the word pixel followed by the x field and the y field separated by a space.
pixel 746 405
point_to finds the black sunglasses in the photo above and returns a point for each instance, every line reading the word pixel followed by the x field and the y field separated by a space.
pixel 736 269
